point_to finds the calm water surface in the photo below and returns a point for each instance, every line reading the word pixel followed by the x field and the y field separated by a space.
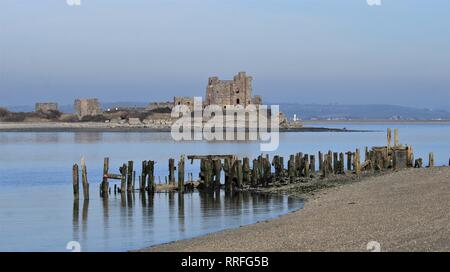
pixel 37 211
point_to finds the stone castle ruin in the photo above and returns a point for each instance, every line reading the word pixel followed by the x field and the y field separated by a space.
pixel 46 108
pixel 184 100
pixel 238 91
pixel 231 92
pixel 87 107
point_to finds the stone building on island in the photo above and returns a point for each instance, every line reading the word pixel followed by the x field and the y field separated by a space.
pixel 238 91
pixel 87 107
pixel 231 92
pixel 47 107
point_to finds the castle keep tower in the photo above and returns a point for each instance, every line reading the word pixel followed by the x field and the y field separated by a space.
pixel 231 92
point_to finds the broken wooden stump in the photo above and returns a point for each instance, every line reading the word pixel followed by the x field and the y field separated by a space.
pixel 84 179
pixel 76 181
pixel 143 177
pixel 239 174
pixel 306 165
pixel 399 158
pixel 123 178
pixel 320 161
pixel 181 174
pixel 171 171
pixel 418 163
pixel 312 161
pixel 130 176
pixel 246 171
pixel 349 160
pixel 341 163
pixel 227 169
pixel 105 185
pixel 335 162
pixel 431 160
pixel 255 171
pixel 291 169
pixel 150 171
pixel 357 162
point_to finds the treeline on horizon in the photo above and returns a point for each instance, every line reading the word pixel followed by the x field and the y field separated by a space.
pixel 302 111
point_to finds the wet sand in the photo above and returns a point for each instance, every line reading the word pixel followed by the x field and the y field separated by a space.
pixel 406 210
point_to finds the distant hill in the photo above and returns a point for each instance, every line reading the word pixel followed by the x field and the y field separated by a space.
pixel 70 109
pixel 358 112
pixel 314 111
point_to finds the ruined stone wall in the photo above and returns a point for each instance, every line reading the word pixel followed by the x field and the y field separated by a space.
pixel 230 92
pixel 159 105
pixel 184 100
pixel 46 107
pixel 87 107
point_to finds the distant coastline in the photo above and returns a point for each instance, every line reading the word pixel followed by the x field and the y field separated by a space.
pixel 375 121
pixel 108 127
pixel 309 126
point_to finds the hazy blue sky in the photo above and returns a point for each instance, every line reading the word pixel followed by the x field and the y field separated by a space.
pixel 307 51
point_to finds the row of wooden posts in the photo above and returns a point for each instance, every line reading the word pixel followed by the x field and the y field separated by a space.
pixel 239 174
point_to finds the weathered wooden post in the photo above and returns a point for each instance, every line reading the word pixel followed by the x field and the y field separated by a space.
pixel 239 174
pixel 292 168
pixel 231 176
pixel 418 163
pixel 298 164
pixel 267 170
pixel 330 162
pixel 104 186
pixel 151 176
pixel 335 162
pixel 84 179
pixel 246 171
pixel 123 178
pixel 276 165
pixel 181 174
pixel 389 138
pixel 306 165
pixel 281 165
pixel 431 160
pixel 349 161
pixel 320 161
pixel 143 178
pixel 357 162
pixel 341 163
pixel 312 162
pixel 226 171
pixel 325 168
pixel 171 171
pixel 76 181
pixel 396 142
pixel 410 155
pixel 255 171
pixel 130 176
pixel 261 170
pixel 217 170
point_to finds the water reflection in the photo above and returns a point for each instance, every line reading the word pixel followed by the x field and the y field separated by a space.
pixel 88 137
pixel 164 217
pixel 84 217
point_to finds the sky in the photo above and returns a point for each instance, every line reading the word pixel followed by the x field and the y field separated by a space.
pixel 304 51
